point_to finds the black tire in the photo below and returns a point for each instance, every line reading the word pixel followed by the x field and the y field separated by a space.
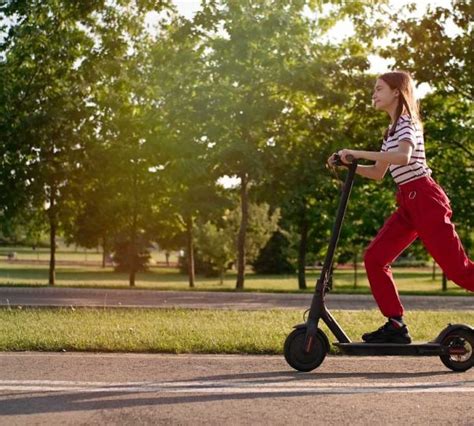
pixel 459 338
pixel 294 350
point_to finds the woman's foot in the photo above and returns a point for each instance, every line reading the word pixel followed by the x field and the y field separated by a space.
pixel 393 331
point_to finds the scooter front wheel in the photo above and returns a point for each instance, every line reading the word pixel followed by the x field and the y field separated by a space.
pixel 295 354
pixel 460 348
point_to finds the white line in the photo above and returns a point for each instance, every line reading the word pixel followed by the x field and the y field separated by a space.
pixel 143 355
pixel 229 387
pixel 234 390
pixel 334 358
pixel 228 383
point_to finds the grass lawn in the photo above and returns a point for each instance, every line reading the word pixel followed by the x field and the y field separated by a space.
pixel 187 330
pixel 409 280
pixel 64 253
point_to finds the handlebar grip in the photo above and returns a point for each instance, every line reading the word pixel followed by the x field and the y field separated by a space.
pixel 338 162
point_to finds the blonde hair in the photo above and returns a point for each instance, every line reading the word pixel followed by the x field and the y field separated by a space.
pixel 403 81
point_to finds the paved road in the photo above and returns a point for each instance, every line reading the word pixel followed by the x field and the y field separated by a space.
pixel 60 296
pixel 77 388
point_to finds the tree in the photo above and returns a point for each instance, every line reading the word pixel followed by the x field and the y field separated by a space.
pixel 44 118
pixel 246 65
pixel 309 131
pixel 215 246
pixel 179 85
pixel 283 96
pixel 434 53
pixel 73 79
pixel 273 258
pixel 263 222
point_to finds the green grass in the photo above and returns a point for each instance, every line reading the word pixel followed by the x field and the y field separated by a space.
pixel 186 330
pixel 64 253
pixel 409 280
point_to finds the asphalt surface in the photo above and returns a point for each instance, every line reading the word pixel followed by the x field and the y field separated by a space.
pixel 79 388
pixel 112 298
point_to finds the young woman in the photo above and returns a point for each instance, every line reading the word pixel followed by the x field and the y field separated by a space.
pixel 424 209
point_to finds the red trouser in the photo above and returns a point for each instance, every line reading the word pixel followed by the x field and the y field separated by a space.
pixel 423 211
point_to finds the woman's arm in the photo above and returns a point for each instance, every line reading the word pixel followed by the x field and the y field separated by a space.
pixel 382 159
pixel 401 156
pixel 376 171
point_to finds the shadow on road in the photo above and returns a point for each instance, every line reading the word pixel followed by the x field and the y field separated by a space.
pixel 21 403
pixel 291 375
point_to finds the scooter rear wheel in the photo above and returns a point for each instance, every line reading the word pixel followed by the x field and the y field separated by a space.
pixel 294 350
pixel 460 356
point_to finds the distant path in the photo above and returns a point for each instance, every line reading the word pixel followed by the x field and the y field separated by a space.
pixel 114 298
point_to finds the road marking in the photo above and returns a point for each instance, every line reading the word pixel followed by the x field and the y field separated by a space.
pixel 144 355
pixel 233 387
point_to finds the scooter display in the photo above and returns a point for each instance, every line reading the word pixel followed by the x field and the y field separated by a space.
pixel 307 345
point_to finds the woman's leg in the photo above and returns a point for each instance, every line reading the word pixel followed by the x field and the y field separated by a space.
pixel 438 234
pixel 395 236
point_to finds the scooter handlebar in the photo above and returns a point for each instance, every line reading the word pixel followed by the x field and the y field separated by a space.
pixel 337 161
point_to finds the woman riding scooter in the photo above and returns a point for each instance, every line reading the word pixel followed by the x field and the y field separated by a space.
pixel 424 209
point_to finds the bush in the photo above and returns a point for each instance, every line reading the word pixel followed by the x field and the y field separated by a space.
pixel 273 258
pixel 128 257
pixel 201 266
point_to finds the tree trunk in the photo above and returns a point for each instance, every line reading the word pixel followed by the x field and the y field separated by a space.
pixel 104 252
pixel 302 250
pixel 331 278
pixel 133 261
pixel 242 232
pixel 131 277
pixel 355 268
pixel 433 277
pixel 52 236
pixel 445 282
pixel 190 245
pixel 133 253
pixel 133 237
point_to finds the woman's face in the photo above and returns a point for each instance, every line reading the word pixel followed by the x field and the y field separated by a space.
pixel 384 98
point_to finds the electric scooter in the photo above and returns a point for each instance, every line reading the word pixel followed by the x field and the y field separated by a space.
pixel 306 346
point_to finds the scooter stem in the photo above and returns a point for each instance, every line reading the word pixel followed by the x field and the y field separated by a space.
pixel 318 307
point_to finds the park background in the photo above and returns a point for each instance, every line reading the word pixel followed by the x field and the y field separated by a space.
pixel 131 130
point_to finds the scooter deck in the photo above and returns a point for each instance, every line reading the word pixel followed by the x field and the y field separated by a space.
pixel 391 349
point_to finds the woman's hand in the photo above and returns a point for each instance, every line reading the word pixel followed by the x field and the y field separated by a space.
pixel 343 153
pixel 330 161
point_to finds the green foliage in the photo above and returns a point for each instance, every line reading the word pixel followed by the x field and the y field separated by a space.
pixel 202 267
pixel 437 47
pixel 131 256
pixel 109 131
pixel 215 246
pixel 262 224
pixel 274 257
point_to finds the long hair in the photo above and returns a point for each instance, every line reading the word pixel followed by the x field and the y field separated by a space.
pixel 407 102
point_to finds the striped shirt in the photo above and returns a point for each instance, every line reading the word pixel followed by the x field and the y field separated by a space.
pixel 409 131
